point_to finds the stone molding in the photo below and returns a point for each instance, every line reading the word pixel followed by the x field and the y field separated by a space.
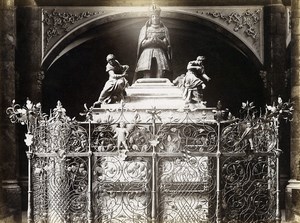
pixel 291 194
pixel 12 199
pixel 245 23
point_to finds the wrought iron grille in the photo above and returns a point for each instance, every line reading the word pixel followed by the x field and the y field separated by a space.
pixel 176 171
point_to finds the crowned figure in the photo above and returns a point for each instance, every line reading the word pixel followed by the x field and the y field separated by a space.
pixel 154 49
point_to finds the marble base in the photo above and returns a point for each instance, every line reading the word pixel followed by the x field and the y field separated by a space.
pixel 12 200
pixel 292 201
pixel 150 94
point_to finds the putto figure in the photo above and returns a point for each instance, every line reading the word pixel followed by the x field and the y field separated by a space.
pixel 114 88
pixel 154 49
pixel 121 133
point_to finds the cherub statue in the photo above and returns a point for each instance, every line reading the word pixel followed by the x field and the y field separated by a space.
pixel 121 133
pixel 114 88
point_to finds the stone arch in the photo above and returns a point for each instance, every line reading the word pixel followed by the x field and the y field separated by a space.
pixel 217 19
pixel 75 64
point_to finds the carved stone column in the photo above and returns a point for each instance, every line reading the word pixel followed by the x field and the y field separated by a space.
pixel 275 50
pixel 29 53
pixel 10 194
pixel 275 67
pixel 293 189
pixel 28 59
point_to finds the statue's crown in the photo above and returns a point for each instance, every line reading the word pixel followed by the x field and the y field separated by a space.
pixel 155 9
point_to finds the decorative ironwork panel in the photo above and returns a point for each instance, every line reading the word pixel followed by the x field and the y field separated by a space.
pixel 121 190
pixel 139 138
pixel 104 138
pixel 60 189
pixel 117 171
pixel 187 138
pixel 40 195
pixel 187 189
pixel 58 135
pixel 249 189
pixel 255 135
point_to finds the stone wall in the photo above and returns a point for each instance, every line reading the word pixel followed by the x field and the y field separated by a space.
pixel 10 205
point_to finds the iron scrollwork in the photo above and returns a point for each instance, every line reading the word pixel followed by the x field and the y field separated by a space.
pixel 138 138
pixel 249 188
pixel 187 189
pixel 204 172
pixel 187 137
pixel 121 189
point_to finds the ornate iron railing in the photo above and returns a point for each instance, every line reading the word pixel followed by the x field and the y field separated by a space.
pixel 150 170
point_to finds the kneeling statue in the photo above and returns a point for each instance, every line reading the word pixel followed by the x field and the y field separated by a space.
pixel 192 82
pixel 192 86
pixel 114 88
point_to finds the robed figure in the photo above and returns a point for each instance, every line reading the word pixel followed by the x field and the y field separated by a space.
pixel 154 49
pixel 114 89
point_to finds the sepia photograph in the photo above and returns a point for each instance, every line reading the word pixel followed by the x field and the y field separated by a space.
pixel 161 111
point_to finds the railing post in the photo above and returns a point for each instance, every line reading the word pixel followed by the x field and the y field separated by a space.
pixel 277 154
pixel 90 171
pixel 278 212
pixel 154 174
pixel 30 198
pixel 154 187
pixel 218 155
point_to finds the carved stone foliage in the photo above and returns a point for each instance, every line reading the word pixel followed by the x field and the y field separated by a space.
pixel 244 23
pixel 246 20
pixel 58 23
pixel 40 77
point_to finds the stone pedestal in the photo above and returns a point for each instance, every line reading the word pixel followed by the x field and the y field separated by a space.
pixel 292 198
pixel 12 199
pixel 154 93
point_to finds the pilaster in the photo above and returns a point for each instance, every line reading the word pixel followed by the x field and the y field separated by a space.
pixel 10 207
pixel 275 50
pixel 293 189
pixel 275 67
pixel 28 53
pixel 28 59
